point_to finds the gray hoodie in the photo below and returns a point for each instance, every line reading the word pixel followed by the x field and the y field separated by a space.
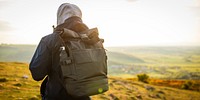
pixel 66 11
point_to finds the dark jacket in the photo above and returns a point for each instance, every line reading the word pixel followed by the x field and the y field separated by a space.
pixel 45 61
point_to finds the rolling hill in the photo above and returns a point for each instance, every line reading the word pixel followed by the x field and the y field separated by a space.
pixel 157 62
pixel 18 53
pixel 121 58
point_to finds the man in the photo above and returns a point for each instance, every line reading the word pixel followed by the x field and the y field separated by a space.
pixel 45 61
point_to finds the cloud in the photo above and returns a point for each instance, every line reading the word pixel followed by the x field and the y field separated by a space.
pixel 3 3
pixel 5 26
pixel 131 0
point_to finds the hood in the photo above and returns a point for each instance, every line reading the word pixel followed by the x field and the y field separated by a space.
pixel 67 10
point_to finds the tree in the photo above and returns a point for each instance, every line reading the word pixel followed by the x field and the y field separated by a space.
pixel 143 78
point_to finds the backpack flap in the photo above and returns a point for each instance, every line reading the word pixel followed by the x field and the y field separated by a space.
pixel 90 36
pixel 90 71
pixel 69 34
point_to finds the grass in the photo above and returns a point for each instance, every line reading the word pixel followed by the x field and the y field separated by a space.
pixel 131 89
pixel 19 83
pixel 16 83
pixel 169 69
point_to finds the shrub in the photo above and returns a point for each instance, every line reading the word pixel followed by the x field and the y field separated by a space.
pixel 187 85
pixel 143 78
pixel 3 80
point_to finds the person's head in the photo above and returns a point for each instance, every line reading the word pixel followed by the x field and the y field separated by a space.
pixel 67 10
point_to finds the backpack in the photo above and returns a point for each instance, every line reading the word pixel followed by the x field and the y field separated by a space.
pixel 83 63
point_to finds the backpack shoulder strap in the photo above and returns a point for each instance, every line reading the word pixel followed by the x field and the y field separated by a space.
pixel 43 87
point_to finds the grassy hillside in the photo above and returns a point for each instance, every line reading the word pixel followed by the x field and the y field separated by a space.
pixel 16 83
pixel 122 55
pixel 162 55
pixel 128 89
pixel 121 58
pixel 157 62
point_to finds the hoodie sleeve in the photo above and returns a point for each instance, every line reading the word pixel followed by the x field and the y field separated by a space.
pixel 41 61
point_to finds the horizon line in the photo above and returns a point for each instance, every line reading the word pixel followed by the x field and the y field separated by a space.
pixel 121 45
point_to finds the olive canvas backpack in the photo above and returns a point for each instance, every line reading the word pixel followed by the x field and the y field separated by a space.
pixel 83 62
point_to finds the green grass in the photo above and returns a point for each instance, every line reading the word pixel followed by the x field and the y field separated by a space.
pixel 131 89
pixel 14 87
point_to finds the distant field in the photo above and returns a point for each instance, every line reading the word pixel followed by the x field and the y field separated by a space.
pixel 161 55
pixel 157 62
pixel 17 53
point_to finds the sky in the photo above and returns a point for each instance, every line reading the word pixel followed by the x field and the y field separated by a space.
pixel 120 22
